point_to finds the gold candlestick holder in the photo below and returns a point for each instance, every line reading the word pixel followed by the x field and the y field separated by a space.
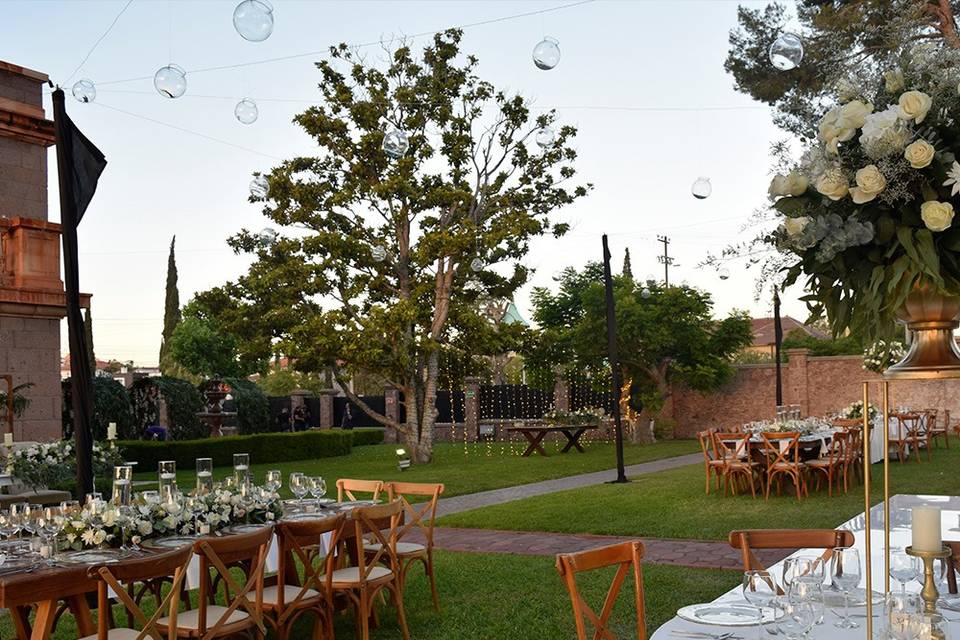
pixel 929 592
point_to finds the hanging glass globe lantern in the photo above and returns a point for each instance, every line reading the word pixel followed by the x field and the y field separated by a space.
pixel 253 20
pixel 649 280
pixel 170 81
pixel 786 52
pixel 476 265
pixel 84 91
pixel 378 253
pixel 545 137
pixel 723 273
pixel 645 293
pixel 701 188
pixel 246 111
pixel 268 236
pixel 395 143
pixel 259 187
pixel 546 55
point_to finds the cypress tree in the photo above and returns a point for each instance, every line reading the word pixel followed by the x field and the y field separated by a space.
pixel 627 270
pixel 88 329
pixel 171 306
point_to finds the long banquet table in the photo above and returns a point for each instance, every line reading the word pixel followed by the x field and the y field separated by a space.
pixel 900 506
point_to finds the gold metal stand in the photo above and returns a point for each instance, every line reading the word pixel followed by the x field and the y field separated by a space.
pixel 929 592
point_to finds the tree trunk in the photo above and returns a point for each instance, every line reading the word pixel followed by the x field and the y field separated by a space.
pixel 413 421
pixel 425 445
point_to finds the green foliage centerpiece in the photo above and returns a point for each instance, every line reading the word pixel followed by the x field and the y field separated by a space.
pixel 868 212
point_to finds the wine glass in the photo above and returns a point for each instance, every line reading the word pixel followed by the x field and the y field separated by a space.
pixel 845 576
pixel 9 524
pixel 50 522
pixel 904 616
pixel 759 590
pixel 318 488
pixel 796 618
pixel 794 568
pixel 298 486
pixel 809 589
pixel 903 568
pixel 128 516
pixel 70 508
pixel 274 480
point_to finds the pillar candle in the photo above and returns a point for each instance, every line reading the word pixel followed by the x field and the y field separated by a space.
pixel 926 529
pixel 8 439
pixel 112 431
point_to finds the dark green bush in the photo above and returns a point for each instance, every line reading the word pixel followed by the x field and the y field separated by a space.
pixel 183 403
pixel 363 437
pixel 110 404
pixel 262 447
pixel 253 408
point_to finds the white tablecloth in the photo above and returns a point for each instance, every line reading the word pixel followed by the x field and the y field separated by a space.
pixel 876 439
pixel 899 538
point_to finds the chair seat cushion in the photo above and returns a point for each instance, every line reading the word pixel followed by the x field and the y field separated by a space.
pixel 787 465
pixel 403 548
pixel 290 593
pixel 351 575
pixel 117 634
pixel 190 619
pixel 820 462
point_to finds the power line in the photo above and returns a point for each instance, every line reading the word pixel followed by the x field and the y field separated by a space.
pixel 99 40
pixel 326 51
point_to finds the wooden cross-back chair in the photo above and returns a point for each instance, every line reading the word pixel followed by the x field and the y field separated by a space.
pixel 834 466
pixel 362 583
pixel 218 554
pixel 909 433
pixel 929 429
pixel 420 517
pixel 747 540
pixel 311 545
pixel 734 450
pixel 113 577
pixel 954 565
pixel 626 557
pixel 346 487
pixel 937 431
pixel 783 452
pixel 712 463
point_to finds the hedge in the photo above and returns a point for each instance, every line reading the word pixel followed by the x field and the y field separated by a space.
pixel 262 447
pixel 110 404
pixel 252 406
pixel 366 436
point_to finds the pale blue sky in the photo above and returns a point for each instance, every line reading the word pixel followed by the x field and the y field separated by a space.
pixel 161 181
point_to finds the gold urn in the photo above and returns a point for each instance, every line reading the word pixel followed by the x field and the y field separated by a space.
pixel 931 317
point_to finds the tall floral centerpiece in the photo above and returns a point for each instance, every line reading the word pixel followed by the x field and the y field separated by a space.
pixel 868 211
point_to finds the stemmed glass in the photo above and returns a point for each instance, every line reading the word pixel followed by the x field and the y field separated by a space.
pixel 9 524
pixel 298 486
pixel 904 616
pixel 809 589
pixel 796 620
pixel 903 569
pixel 759 590
pixel 51 523
pixel 318 488
pixel 795 568
pixel 845 576
pixel 274 480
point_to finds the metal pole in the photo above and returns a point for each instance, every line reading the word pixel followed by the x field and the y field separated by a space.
pixel 777 344
pixel 866 511
pixel 886 486
pixel 614 360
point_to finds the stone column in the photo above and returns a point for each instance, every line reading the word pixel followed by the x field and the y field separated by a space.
pixel 391 401
pixel 471 407
pixel 298 398
pixel 561 394
pixel 326 408
pixel 795 384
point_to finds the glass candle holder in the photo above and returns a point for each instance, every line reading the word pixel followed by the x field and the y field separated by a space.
pixel 241 470
pixel 204 476
pixel 122 485
pixel 168 473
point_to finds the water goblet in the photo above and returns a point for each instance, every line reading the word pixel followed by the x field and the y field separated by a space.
pixel 298 486
pixel 9 524
pixel 795 620
pixel 809 588
pixel 903 568
pixel 845 576
pixel 759 590
pixel 50 524
pixel 903 614
pixel 128 516
pixel 794 568
pixel 318 488
pixel 274 480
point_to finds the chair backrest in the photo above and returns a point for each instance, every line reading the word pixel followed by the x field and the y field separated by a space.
pixel 372 520
pixel 910 426
pixel 419 515
pixel 954 564
pixel 626 557
pixel 220 553
pixel 844 423
pixel 301 544
pixel 929 420
pixel 838 447
pixel 747 540
pixel 784 446
pixel 169 564
pixel 730 446
pixel 707 446
pixel 346 487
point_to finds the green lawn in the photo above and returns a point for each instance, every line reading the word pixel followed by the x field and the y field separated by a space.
pixel 672 504
pixel 507 597
pixel 482 467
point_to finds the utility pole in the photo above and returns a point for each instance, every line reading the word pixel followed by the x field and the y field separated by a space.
pixel 665 259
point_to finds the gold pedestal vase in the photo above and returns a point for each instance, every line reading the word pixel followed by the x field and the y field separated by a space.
pixel 931 317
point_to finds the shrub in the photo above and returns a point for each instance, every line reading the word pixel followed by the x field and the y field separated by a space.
pixel 183 403
pixel 262 447
pixel 253 408
pixel 362 437
pixel 110 404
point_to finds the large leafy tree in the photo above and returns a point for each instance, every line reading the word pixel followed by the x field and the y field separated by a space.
pixel 374 273
pixel 842 39
pixel 664 334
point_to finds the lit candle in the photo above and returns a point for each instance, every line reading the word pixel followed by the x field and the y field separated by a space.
pixel 204 474
pixel 166 475
pixel 204 529
pixel 8 439
pixel 926 529
pixel 112 431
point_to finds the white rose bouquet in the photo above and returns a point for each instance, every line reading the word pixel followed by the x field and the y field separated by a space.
pixel 54 465
pixel 867 213
pixel 580 417
pixel 881 354
pixel 854 411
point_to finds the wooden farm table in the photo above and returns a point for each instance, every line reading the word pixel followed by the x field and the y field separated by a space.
pixel 536 434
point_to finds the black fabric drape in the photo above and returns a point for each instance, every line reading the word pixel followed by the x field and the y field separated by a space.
pixel 79 165
pixel 614 359
pixel 777 344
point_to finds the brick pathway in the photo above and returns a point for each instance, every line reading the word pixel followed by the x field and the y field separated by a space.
pixel 470 501
pixel 685 553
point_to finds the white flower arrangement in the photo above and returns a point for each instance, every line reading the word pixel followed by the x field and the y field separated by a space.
pixel 803 427
pixel 854 411
pixel 882 354
pixel 54 464
pixel 580 417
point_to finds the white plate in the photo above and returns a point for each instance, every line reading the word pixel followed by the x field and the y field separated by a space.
pixel 93 556
pixel 725 614
pixel 313 515
pixel 858 598
pixel 171 542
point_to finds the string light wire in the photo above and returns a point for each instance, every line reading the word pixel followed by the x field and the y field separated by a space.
pixel 99 40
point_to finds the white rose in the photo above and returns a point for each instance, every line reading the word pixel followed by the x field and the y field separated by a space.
pixel 833 184
pixel 914 105
pixel 99 537
pixel 870 182
pixel 145 528
pixel 795 226
pixel 110 517
pixel 894 80
pixel 846 89
pixel 792 184
pixel 938 216
pixel 854 114
pixel 919 154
